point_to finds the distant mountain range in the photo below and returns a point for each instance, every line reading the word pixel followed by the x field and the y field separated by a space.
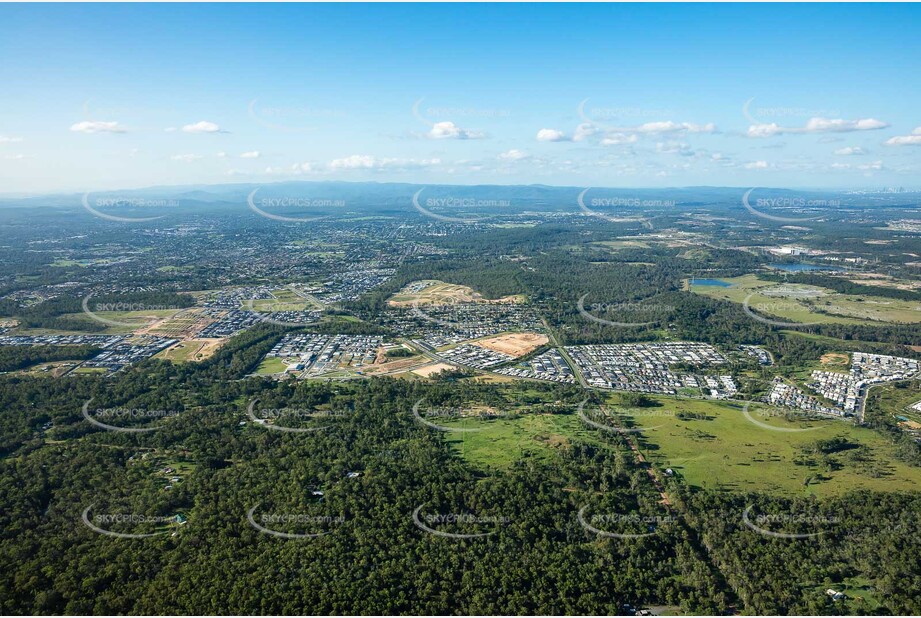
pixel 380 197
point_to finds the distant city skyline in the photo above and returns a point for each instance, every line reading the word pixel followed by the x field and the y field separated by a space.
pixel 102 97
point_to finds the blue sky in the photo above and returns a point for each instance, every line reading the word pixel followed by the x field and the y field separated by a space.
pixel 117 96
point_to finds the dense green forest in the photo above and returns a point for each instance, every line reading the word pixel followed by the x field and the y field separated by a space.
pixel 374 559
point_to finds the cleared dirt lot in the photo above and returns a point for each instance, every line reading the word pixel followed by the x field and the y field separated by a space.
pixel 515 344
pixel 191 350
pixel 441 293
pixel 834 358
pixel 430 370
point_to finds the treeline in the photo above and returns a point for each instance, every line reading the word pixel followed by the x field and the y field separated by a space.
pixel 13 358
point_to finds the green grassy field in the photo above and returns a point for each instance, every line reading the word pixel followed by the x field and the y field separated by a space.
pixel 132 319
pixel 285 300
pixel 500 442
pixel 709 444
pixel 726 450
pixel 271 365
pixel 802 303
pixel 892 400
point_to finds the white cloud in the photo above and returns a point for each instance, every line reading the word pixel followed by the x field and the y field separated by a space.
pixel 616 139
pixel 667 126
pixel 875 166
pixel 17 157
pixel 764 130
pixel 906 140
pixel 296 169
pixel 186 158
pixel 253 154
pixel 613 136
pixel 850 150
pixel 97 126
pixel 513 155
pixel 818 125
pixel 551 135
pixel 202 126
pixel 757 165
pixel 679 148
pixel 222 155
pixel 584 131
pixel 449 130
pixel 9 140
pixel 366 162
